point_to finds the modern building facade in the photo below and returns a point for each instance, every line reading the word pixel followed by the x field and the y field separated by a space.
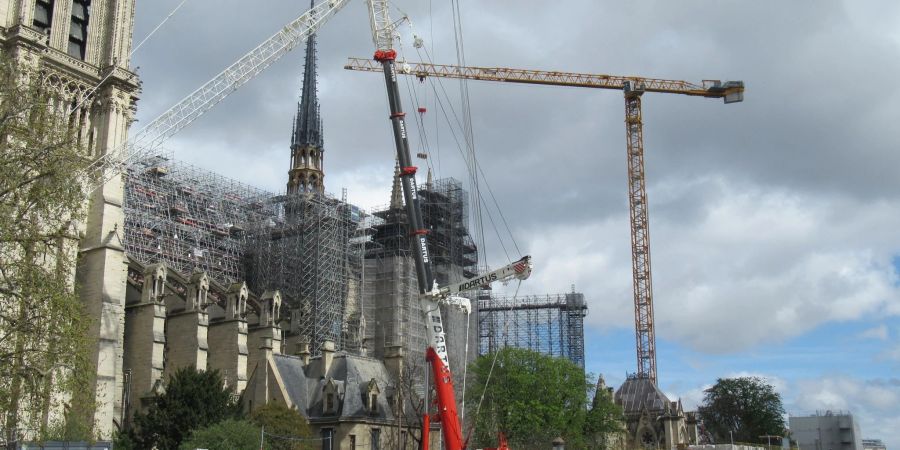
pixel 873 444
pixel 826 430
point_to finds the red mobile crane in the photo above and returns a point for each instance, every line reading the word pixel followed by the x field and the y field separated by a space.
pixel 383 33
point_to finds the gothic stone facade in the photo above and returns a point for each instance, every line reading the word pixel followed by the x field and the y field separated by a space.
pixel 73 45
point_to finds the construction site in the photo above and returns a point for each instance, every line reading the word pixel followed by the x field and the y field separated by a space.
pixel 304 299
pixel 549 324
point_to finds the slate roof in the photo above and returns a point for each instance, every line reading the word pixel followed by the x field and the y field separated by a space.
pixel 637 393
pixel 351 375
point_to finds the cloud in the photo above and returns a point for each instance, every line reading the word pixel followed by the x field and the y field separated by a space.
pixel 875 403
pixel 879 333
pixel 745 267
pixel 768 218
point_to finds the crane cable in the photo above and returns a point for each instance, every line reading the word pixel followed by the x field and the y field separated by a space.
pixel 474 170
pixel 414 99
pixel 478 167
pixel 89 93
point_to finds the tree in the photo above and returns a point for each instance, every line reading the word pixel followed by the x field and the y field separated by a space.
pixel 229 434
pixel 531 397
pixel 604 420
pixel 44 360
pixel 192 400
pixel 286 428
pixel 747 407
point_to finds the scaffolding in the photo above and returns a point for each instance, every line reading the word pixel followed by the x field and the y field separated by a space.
pixel 393 312
pixel 306 251
pixel 304 245
pixel 190 219
pixel 549 324
pixel 445 213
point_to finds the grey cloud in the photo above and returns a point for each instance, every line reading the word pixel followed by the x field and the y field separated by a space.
pixel 816 127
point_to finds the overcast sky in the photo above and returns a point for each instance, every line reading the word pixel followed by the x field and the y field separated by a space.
pixel 773 222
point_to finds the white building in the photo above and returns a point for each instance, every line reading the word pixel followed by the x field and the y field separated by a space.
pixel 827 430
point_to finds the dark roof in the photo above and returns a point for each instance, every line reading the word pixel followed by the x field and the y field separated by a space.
pixel 635 394
pixel 351 375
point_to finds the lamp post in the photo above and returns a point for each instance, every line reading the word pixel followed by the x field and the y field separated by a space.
pixel 731 435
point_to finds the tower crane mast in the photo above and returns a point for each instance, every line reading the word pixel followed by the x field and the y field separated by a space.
pixel 633 88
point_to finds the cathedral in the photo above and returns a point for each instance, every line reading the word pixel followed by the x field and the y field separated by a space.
pixel 75 46
pixel 298 298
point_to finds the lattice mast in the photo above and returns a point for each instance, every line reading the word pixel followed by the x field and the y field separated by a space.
pixel 644 330
pixel 633 87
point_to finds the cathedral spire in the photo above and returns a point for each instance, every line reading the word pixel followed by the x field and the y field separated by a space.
pixel 308 122
pixel 307 144
pixel 396 191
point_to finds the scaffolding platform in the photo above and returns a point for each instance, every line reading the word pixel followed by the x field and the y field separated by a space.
pixel 550 324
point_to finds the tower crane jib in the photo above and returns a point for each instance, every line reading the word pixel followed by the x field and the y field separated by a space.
pixel 633 88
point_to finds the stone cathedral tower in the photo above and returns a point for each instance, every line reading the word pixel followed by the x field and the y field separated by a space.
pixel 75 46
pixel 307 152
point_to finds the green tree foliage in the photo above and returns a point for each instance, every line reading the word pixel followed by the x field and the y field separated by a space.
pixel 604 420
pixel 43 349
pixel 531 397
pixel 229 434
pixel 286 429
pixel 192 400
pixel 749 407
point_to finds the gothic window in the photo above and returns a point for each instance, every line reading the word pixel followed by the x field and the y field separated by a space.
pixel 373 402
pixel 327 438
pixel 81 12
pixel 648 440
pixel 329 398
pixel 43 15
pixel 372 392
pixel 376 439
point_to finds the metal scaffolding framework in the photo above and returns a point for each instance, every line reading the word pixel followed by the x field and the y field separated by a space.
pixel 306 246
pixel 393 312
pixel 306 252
pixel 549 324
pixel 190 218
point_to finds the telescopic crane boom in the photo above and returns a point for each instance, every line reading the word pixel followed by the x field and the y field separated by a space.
pixel 383 34
pixel 633 88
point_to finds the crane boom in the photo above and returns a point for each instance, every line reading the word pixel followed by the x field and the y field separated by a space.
pixel 383 33
pixel 149 139
pixel 633 88
pixel 730 91
pixel 520 269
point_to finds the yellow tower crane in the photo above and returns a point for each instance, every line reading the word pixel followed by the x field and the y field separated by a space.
pixel 633 88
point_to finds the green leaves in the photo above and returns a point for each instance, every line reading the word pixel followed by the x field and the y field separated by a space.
pixel 745 407
pixel 533 398
pixel 192 400
pixel 44 355
pixel 229 434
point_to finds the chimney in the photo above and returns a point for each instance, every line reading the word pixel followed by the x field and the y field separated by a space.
pixel 327 355
pixel 303 349
pixel 393 360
